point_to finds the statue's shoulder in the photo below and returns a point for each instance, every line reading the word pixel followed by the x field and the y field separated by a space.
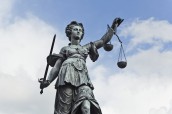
pixel 51 59
pixel 63 49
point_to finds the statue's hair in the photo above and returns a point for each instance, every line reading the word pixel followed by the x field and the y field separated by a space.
pixel 69 27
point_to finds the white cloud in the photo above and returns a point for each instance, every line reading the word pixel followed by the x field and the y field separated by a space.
pixel 24 45
pixel 5 9
pixel 152 61
pixel 130 93
pixel 150 31
pixel 162 110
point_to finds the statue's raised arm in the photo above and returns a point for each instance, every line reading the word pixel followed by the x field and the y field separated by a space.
pixel 93 46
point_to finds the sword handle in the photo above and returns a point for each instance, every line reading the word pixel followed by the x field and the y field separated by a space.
pixel 41 91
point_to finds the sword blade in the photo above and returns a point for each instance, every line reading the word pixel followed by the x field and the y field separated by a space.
pixel 47 66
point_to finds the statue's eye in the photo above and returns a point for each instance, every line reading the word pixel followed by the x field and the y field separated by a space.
pixel 75 29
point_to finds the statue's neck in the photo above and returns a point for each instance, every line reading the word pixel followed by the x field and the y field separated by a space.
pixel 75 42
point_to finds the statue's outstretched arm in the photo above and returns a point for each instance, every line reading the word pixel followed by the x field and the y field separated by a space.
pixel 105 38
pixel 108 35
pixel 55 70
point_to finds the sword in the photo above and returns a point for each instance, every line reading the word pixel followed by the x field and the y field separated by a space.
pixel 47 66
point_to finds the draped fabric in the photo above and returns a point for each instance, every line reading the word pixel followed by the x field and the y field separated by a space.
pixel 73 69
pixel 73 84
pixel 64 100
pixel 85 93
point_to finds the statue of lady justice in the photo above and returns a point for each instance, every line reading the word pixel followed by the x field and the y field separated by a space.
pixel 74 88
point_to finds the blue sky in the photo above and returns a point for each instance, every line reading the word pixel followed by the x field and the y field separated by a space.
pixel 143 87
pixel 97 13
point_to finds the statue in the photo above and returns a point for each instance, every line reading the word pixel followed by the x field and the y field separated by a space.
pixel 74 88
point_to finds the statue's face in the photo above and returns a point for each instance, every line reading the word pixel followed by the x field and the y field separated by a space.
pixel 76 32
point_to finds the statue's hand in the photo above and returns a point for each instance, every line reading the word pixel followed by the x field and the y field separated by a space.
pixel 44 84
pixel 116 23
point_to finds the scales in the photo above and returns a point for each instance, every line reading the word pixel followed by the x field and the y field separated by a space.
pixel 122 61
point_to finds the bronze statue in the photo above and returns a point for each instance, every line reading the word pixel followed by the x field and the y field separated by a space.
pixel 74 88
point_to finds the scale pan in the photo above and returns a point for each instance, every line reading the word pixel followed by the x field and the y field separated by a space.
pixel 122 64
pixel 108 47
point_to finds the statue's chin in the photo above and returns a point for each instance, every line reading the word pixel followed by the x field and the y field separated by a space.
pixel 77 38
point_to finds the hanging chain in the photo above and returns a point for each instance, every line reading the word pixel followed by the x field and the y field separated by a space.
pixel 121 50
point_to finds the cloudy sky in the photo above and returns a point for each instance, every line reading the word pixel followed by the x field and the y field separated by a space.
pixel 143 87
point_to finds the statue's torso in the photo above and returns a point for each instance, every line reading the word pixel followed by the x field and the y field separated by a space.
pixel 73 69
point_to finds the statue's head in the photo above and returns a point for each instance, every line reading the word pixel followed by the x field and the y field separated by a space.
pixel 74 25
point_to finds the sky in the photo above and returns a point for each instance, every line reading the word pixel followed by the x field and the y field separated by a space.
pixel 27 28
